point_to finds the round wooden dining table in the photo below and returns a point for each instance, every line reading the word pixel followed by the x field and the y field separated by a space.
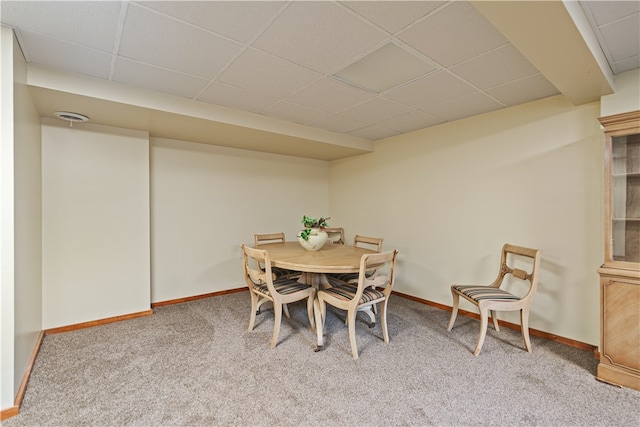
pixel 313 265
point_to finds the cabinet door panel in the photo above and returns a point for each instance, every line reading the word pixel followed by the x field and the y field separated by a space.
pixel 621 328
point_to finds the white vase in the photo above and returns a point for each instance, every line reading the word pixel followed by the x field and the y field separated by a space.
pixel 315 241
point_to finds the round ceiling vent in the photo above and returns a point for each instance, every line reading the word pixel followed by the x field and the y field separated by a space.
pixel 71 117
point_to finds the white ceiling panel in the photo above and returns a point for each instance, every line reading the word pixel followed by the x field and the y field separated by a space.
pixel 323 44
pixel 339 124
pixel 374 133
pixel 410 121
pixel 231 96
pixel 293 112
pixel 528 88
pixel 393 16
pixel 330 95
pixel 157 79
pixel 468 106
pixel 623 37
pixel 158 40
pixel 65 56
pixel 494 68
pixel 266 74
pixel 376 110
pixel 238 20
pixel 454 34
pixel 431 90
pixel 93 24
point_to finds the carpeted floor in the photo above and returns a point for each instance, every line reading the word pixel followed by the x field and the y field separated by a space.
pixel 196 364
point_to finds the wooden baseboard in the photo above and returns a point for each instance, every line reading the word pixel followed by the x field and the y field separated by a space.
pixel 15 409
pixel 534 332
pixel 98 322
pixel 196 297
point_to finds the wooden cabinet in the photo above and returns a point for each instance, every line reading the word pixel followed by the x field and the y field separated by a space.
pixel 620 273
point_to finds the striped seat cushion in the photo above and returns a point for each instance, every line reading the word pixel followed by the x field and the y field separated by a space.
pixel 283 272
pixel 348 292
pixel 478 293
pixel 348 277
pixel 283 286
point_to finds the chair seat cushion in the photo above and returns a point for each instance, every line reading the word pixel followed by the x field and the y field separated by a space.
pixel 283 272
pixel 347 292
pixel 479 293
pixel 282 286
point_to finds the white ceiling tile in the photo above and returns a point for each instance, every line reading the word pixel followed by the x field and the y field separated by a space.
pixel 431 90
pixel 373 133
pixel 294 113
pixel 495 68
pixel 523 90
pixel 409 122
pixel 623 37
pixel 257 71
pixel 375 110
pixel 609 11
pixel 330 95
pixel 627 64
pixel 92 24
pixel 392 16
pixel 339 124
pixel 65 56
pixel 321 44
pixel 172 47
pixel 230 96
pixel 464 107
pixel 158 79
pixel 238 20
pixel 454 34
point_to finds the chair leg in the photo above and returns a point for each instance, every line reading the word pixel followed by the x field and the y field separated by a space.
pixel 483 330
pixel 454 311
pixel 285 309
pixel 351 315
pixel 494 318
pixel 277 311
pixel 310 300
pixel 254 307
pixel 383 321
pixel 524 323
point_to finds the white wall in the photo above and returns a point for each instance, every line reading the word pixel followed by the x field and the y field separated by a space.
pixel 7 267
pixel 20 210
pixel 448 197
pixel 626 97
pixel 28 222
pixel 95 228
pixel 206 201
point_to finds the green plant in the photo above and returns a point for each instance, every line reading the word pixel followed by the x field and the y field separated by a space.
pixel 310 223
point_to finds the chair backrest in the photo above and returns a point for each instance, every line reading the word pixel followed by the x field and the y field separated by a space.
pixel 533 255
pixel 336 235
pixel 268 238
pixel 253 259
pixel 373 241
pixel 384 264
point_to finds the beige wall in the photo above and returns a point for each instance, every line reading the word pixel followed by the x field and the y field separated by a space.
pixel 20 218
pixel 95 228
pixel 448 197
pixel 207 200
pixel 626 97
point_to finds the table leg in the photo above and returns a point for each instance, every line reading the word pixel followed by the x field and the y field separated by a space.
pixel 319 325
pixel 317 280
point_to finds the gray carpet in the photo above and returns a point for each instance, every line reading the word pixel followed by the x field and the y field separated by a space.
pixel 196 364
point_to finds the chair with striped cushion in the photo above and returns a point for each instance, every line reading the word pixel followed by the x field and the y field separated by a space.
pixel 263 288
pixel 374 243
pixel 368 290
pixel 336 235
pixel 491 298
pixel 275 238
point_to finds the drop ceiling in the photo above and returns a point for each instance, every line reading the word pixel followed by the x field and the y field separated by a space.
pixel 270 76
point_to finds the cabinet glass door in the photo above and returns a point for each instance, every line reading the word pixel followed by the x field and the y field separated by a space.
pixel 625 197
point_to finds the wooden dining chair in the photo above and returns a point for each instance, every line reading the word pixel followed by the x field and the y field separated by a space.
pixel 336 235
pixel 275 238
pixel 490 298
pixel 374 243
pixel 369 290
pixel 262 288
